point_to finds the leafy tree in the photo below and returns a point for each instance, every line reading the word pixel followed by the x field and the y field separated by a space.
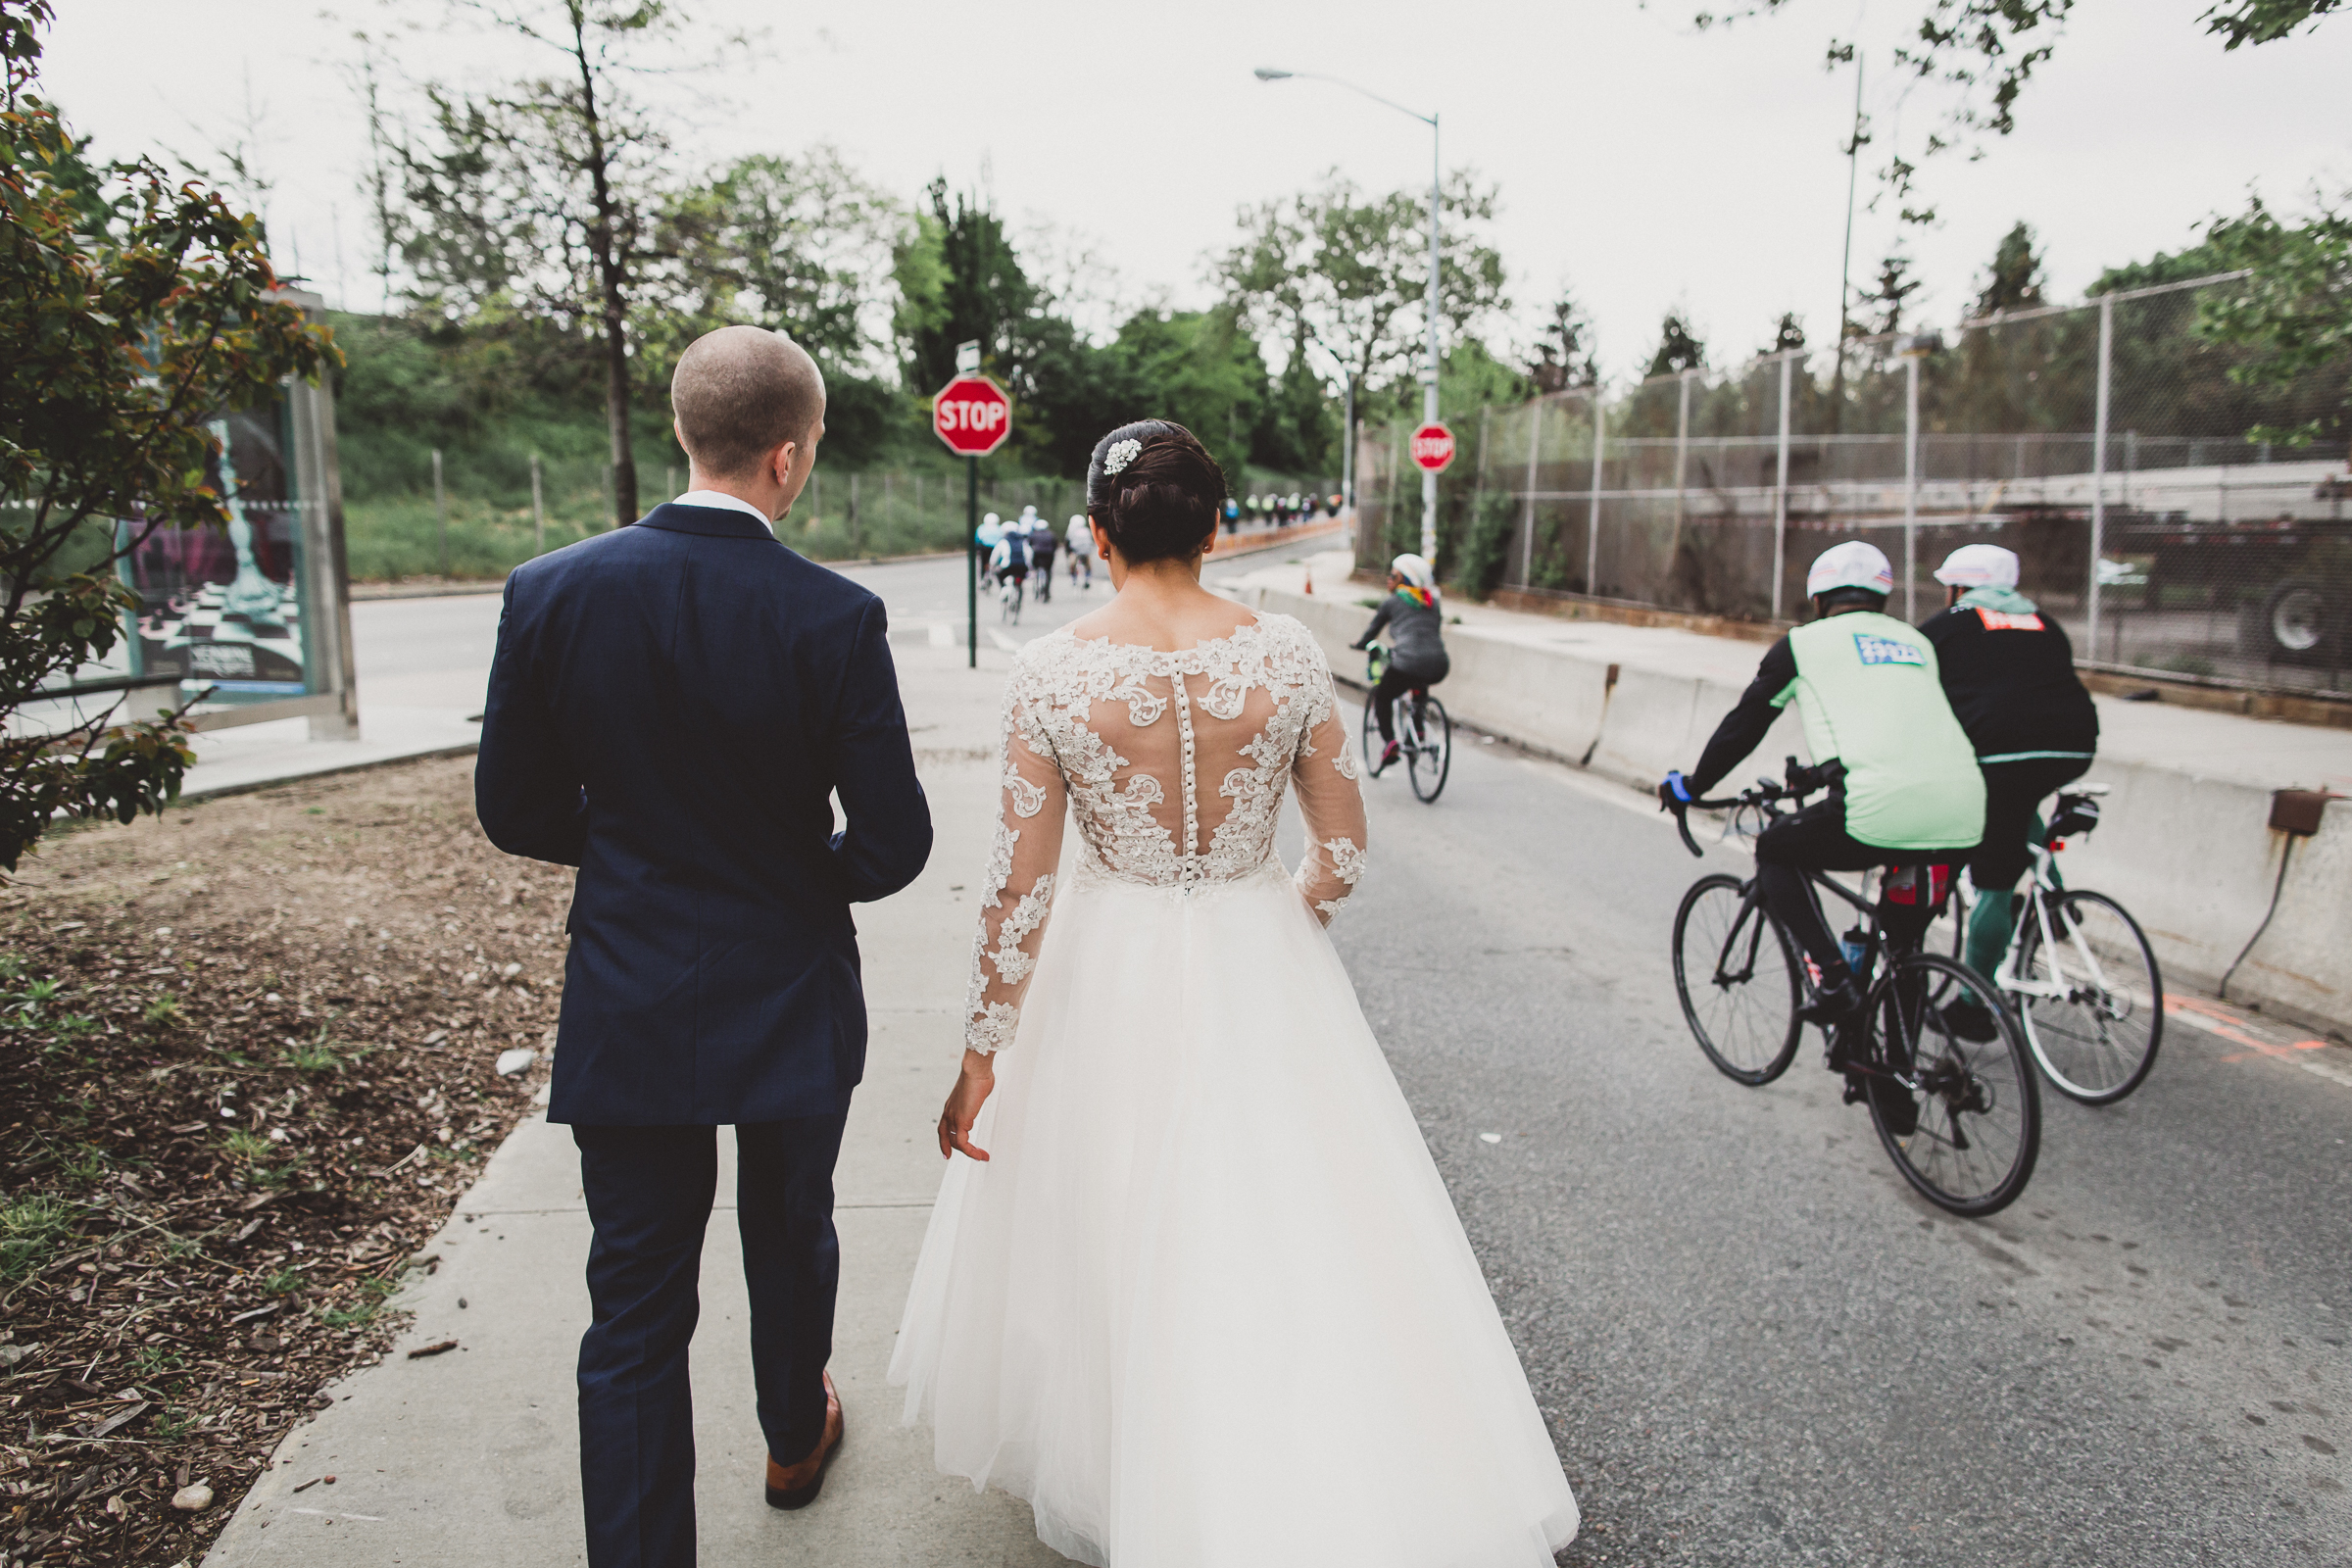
pixel 127 324
pixel 541 199
pixel 1888 298
pixel 1299 429
pixel 2014 281
pixel 1349 272
pixel 1200 368
pixel 1566 354
pixel 803 245
pixel 2295 314
pixel 960 281
pixel 1986 52
pixel 1787 335
pixel 1678 348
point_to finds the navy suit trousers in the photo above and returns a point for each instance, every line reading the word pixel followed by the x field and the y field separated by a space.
pixel 649 1193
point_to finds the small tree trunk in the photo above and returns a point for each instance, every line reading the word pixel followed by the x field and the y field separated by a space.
pixel 612 276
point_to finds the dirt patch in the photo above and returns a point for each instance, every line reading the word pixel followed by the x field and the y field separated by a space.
pixel 251 1057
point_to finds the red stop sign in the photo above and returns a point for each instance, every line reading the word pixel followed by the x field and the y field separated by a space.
pixel 1433 447
pixel 973 416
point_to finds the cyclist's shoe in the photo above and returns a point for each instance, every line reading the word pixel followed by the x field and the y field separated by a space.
pixel 1387 754
pixel 1834 1009
pixel 1894 1105
pixel 1970 1019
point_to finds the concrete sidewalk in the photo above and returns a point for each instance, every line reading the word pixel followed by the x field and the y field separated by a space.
pixel 471 1456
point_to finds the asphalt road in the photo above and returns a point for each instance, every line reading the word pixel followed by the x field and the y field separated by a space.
pixel 1753 1344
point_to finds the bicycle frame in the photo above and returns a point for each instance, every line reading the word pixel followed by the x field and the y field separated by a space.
pixel 2041 879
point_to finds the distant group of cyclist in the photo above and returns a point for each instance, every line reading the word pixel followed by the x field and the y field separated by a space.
pixel 1276 511
pixel 1020 552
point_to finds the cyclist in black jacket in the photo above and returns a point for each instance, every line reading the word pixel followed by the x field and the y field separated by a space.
pixel 1414 618
pixel 2009 671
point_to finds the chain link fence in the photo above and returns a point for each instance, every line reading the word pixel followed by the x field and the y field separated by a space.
pixel 2107 444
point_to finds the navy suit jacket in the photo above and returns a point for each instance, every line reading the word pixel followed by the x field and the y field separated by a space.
pixel 671 708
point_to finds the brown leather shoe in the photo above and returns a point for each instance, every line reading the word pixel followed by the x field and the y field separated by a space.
pixel 796 1486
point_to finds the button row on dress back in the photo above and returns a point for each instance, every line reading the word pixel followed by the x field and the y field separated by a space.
pixel 1191 806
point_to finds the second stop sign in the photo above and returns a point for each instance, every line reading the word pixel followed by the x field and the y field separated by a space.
pixel 973 416
pixel 1433 447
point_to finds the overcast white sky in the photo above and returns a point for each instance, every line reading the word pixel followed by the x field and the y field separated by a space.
pixel 1641 162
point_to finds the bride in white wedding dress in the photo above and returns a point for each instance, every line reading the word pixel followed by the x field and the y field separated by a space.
pixel 1196 1291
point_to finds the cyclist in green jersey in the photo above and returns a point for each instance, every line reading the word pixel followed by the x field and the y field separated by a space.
pixel 1907 790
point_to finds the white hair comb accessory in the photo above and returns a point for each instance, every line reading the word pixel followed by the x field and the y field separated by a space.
pixel 1120 455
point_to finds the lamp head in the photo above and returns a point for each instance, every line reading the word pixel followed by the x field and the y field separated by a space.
pixel 1269 73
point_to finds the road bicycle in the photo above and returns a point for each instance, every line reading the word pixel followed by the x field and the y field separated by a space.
pixel 1742 981
pixel 1008 599
pixel 2078 972
pixel 1424 734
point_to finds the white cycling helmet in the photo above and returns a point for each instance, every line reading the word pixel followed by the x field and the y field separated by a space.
pixel 1077 519
pixel 988 521
pixel 1851 564
pixel 1979 567
pixel 1414 570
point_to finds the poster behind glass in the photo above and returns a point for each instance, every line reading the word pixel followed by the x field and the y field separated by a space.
pixel 223 607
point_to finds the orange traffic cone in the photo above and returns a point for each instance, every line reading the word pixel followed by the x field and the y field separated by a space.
pixel 1310 581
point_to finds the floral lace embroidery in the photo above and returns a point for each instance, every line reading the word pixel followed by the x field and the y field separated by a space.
pixel 992 1030
pixel 1056 682
pixel 1013 965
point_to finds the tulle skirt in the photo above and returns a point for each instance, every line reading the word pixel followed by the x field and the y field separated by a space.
pixel 1209 1306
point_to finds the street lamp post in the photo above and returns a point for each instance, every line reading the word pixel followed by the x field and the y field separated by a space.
pixel 1429 373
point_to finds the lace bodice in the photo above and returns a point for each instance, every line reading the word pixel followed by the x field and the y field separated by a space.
pixel 1127 737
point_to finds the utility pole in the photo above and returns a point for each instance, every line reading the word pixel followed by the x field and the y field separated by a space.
pixel 1429 380
pixel 1846 269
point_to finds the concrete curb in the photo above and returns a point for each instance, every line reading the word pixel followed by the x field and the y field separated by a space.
pixel 297 776
pixel 2189 854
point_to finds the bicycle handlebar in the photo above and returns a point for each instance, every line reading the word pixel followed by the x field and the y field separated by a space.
pixel 1798 782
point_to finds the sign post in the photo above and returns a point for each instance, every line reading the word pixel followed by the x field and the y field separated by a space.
pixel 973 416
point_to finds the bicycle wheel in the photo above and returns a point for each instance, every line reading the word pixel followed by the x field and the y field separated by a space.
pixel 1431 756
pixel 2095 1034
pixel 1738 981
pixel 1372 740
pixel 1979 1111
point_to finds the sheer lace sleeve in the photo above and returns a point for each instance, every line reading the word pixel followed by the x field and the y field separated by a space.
pixel 1018 891
pixel 1331 800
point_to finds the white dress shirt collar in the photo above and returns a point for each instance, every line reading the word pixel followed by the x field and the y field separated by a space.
pixel 724 502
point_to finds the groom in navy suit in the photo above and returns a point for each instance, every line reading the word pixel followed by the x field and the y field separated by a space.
pixel 673 708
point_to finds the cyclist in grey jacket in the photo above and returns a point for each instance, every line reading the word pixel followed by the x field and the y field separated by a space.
pixel 1415 622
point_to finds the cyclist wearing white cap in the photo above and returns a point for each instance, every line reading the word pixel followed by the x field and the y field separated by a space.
pixel 1081 543
pixel 1905 791
pixel 1415 622
pixel 2009 671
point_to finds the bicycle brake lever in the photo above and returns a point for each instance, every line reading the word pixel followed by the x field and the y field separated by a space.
pixel 1682 825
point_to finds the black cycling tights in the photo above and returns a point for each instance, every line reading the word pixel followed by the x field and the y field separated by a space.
pixel 1815 838
pixel 1393 684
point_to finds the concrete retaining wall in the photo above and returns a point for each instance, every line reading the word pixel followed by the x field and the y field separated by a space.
pixel 2190 857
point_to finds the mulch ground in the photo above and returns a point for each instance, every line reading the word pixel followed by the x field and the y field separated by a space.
pixel 248 1055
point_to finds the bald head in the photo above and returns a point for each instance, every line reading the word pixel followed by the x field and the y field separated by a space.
pixel 741 392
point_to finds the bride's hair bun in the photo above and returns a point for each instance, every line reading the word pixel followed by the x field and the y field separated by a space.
pixel 1156 490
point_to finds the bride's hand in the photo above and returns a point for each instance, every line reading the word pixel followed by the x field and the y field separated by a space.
pixel 973 1088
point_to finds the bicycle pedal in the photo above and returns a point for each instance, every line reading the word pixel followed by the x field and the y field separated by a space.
pixel 1853 1089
